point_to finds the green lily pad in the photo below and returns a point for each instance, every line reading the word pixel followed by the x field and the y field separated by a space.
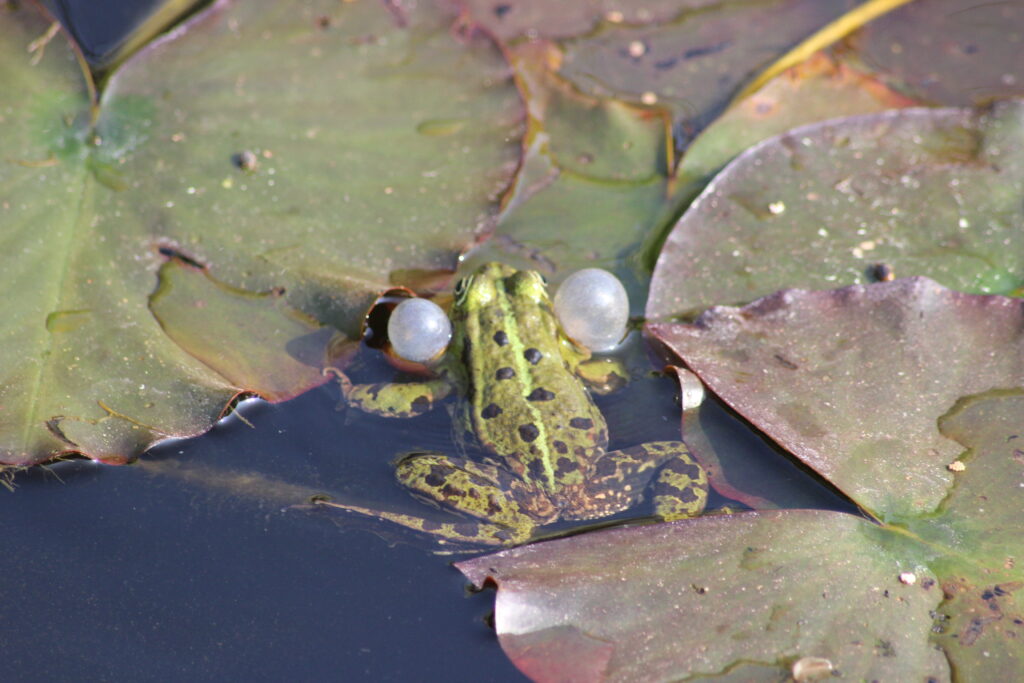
pixel 929 595
pixel 932 192
pixel 593 179
pixel 253 341
pixel 821 88
pixel 316 147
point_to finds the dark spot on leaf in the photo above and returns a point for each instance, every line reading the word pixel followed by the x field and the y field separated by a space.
pixel 501 10
pixel 500 338
pixel 581 423
pixel 880 272
pixel 785 362
pixel 528 432
pixel 540 394
pixel 663 64
pixel 504 373
pixel 560 447
pixel 491 411
pixel 532 355
pixel 245 160
pixel 705 50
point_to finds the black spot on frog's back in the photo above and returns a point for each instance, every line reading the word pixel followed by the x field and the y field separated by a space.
pixel 581 423
pixel 537 473
pixel 500 338
pixel 491 411
pixel 532 355
pixel 540 394
pixel 528 432
pixel 565 466
pixel 504 373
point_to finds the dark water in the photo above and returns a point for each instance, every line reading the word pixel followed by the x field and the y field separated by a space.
pixel 196 566
pixel 202 563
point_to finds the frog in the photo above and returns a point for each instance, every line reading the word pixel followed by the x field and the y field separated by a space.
pixel 520 394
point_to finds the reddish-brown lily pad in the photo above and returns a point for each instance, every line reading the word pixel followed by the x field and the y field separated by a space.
pixel 852 381
pixel 698 597
pixel 952 52
pixel 694 63
pixel 933 595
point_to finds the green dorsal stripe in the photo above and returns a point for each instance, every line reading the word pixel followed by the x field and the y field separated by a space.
pixel 523 372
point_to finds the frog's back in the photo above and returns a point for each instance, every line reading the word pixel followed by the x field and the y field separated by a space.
pixel 526 403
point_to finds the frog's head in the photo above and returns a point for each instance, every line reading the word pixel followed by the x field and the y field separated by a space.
pixel 494 279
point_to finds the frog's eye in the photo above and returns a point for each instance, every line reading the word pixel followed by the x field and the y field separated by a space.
pixel 461 287
pixel 419 330
pixel 593 308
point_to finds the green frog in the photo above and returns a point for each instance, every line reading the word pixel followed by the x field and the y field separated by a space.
pixel 519 394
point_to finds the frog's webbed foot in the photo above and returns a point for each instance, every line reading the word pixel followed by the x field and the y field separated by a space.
pixel 392 399
pixel 483 492
pixel 620 478
pixel 471 488
pixel 466 531
pixel 603 375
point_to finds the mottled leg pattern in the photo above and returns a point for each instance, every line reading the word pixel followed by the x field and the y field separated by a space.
pixel 620 478
pixel 681 487
pixel 389 399
pixel 463 486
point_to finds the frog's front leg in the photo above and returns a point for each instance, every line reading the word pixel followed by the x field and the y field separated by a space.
pixel 480 491
pixel 620 478
pixel 394 399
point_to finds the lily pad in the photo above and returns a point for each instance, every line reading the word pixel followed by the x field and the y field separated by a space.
pixel 535 19
pixel 926 596
pixel 852 381
pixel 951 52
pixel 694 63
pixel 594 176
pixel 820 88
pixel 701 596
pixel 932 192
pixel 316 147
pixel 253 341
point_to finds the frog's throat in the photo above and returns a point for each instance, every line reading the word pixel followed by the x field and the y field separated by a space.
pixel 523 371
